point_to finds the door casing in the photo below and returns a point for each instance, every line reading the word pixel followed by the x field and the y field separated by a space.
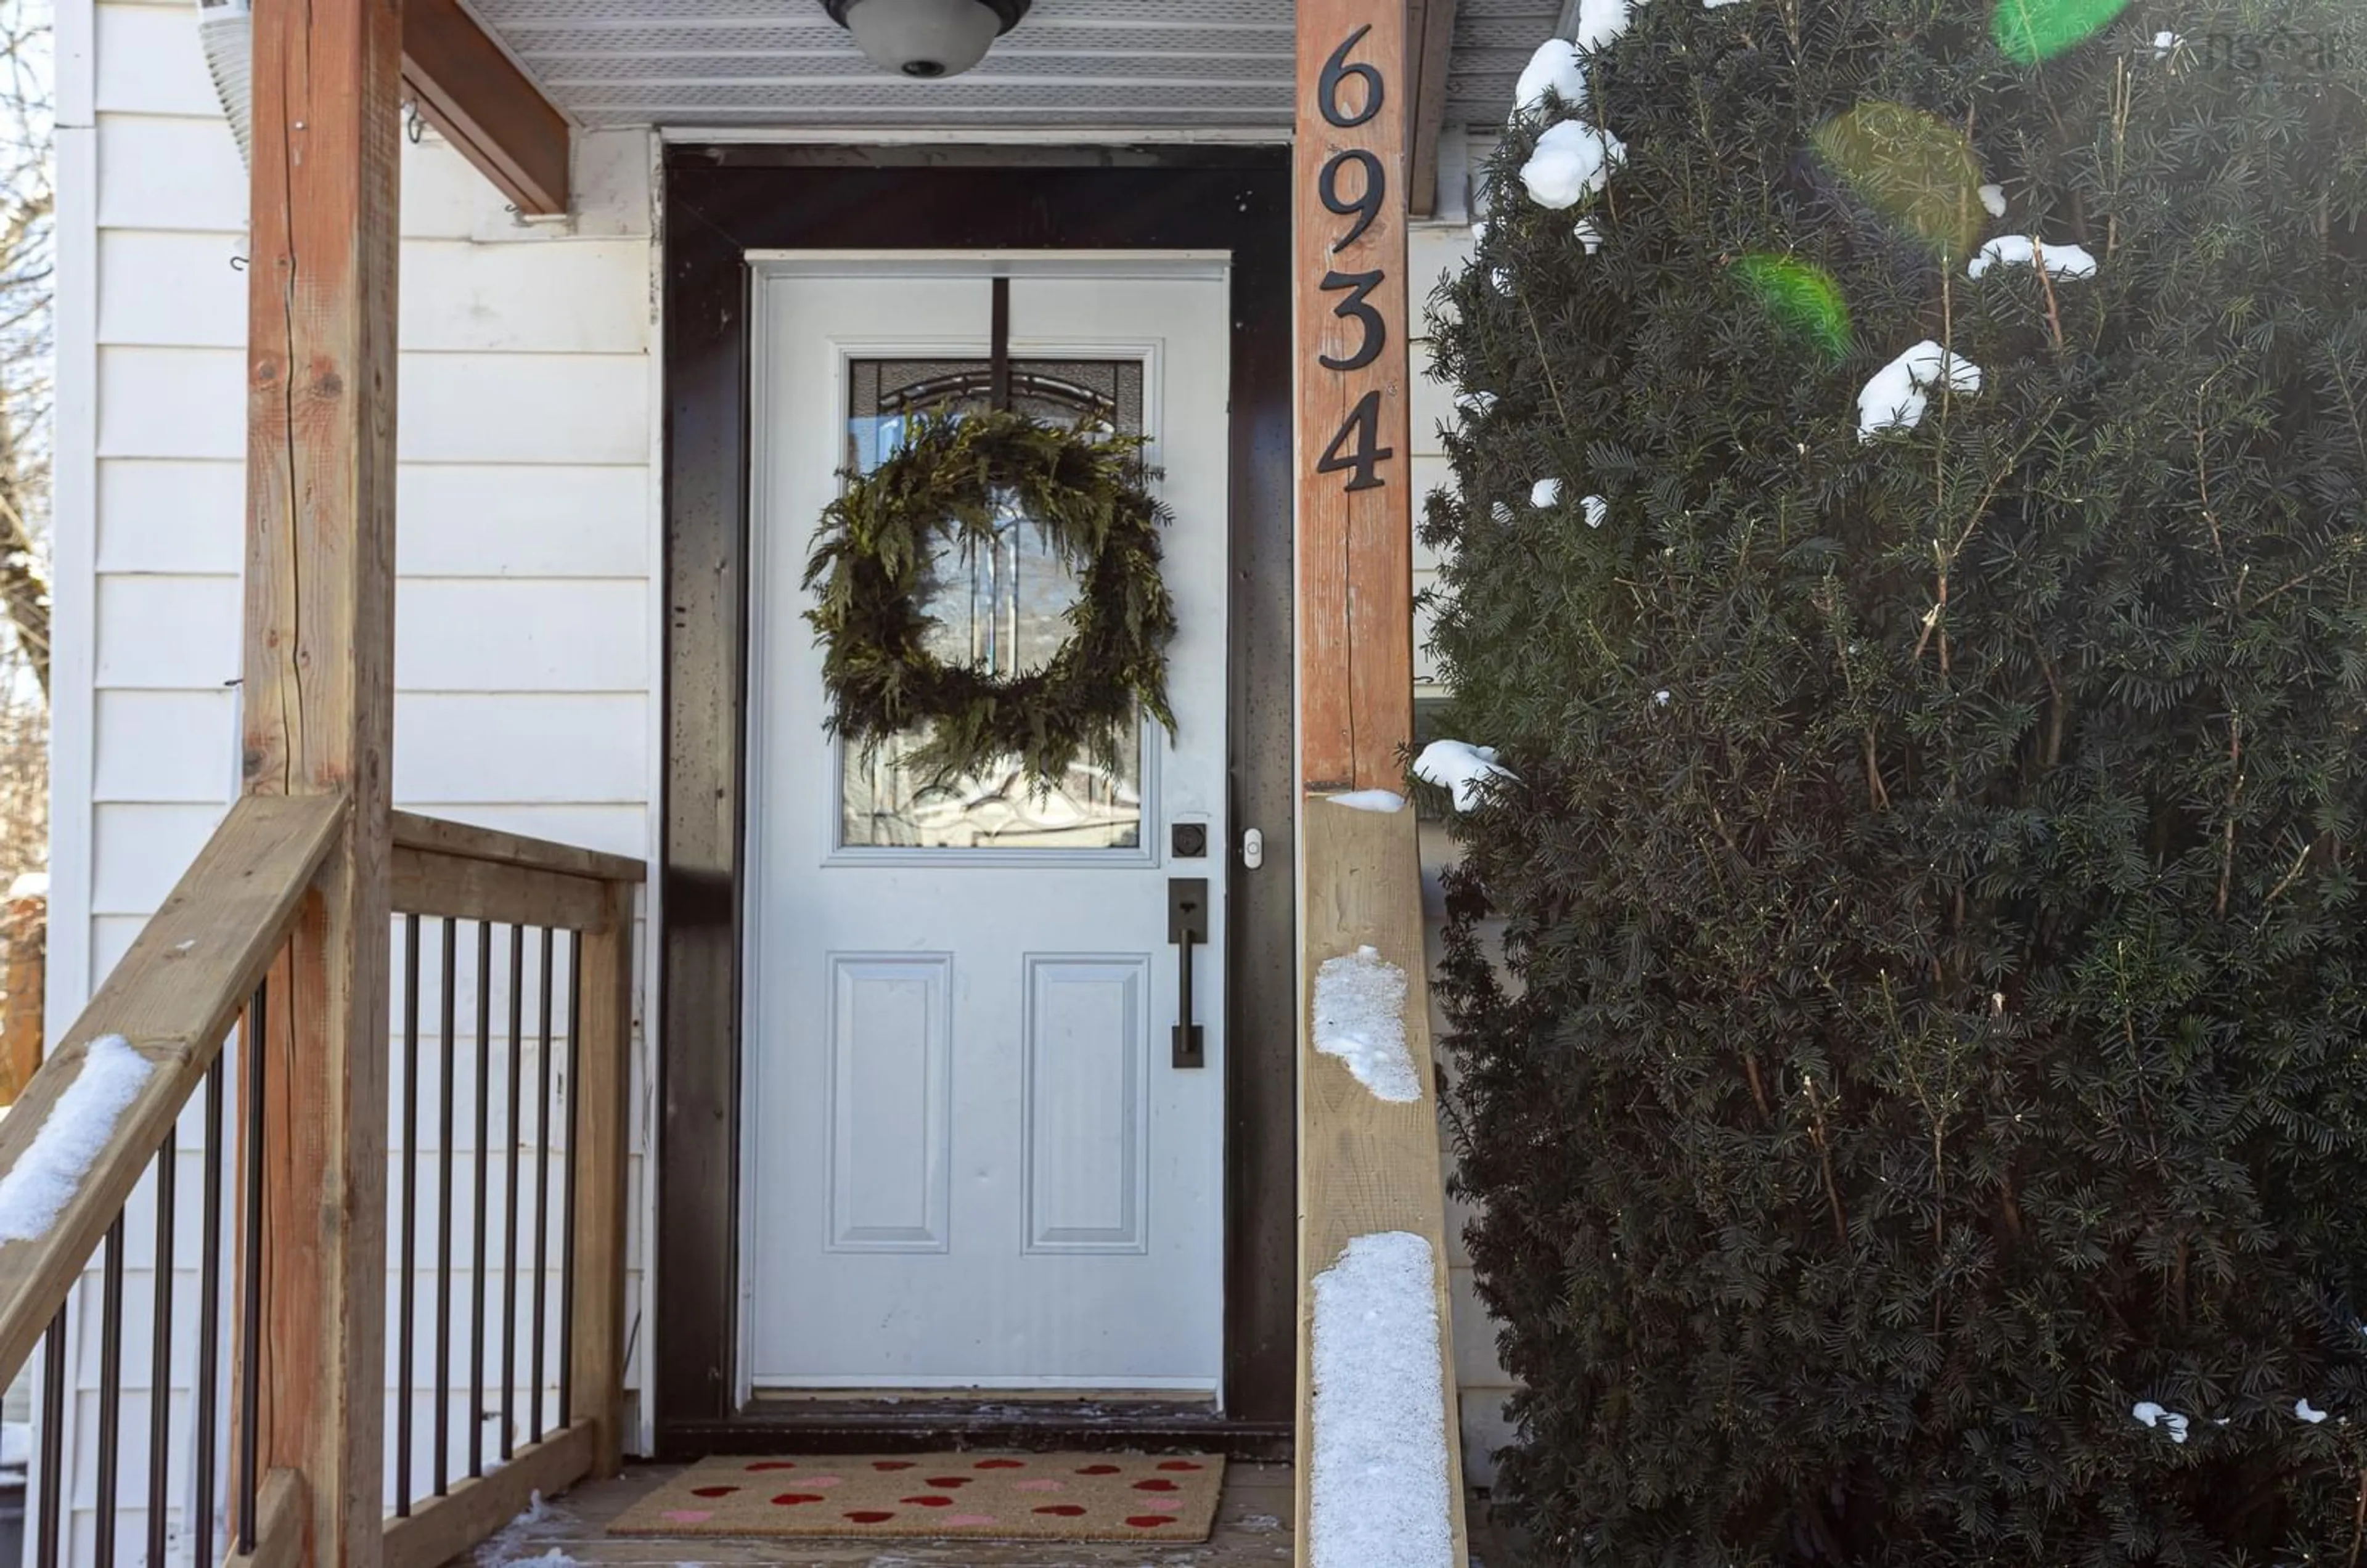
pixel 722 205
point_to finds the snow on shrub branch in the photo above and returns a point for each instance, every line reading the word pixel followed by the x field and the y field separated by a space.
pixel 1460 768
pixel 2024 250
pixel 1896 398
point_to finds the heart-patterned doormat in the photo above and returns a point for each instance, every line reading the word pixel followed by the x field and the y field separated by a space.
pixel 952 1496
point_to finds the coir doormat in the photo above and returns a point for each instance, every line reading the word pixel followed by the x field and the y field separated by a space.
pixel 1071 1497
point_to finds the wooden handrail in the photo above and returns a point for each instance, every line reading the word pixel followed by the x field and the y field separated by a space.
pixel 174 996
pixel 461 841
pixel 1366 1165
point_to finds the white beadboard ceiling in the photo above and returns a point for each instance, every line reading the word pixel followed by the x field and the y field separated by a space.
pixel 1220 65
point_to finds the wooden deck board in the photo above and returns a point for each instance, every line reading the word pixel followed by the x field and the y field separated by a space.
pixel 1252 1532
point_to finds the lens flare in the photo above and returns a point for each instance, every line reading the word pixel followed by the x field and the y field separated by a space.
pixel 1802 298
pixel 1913 168
pixel 2032 30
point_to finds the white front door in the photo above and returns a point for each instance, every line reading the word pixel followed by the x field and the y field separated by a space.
pixel 971 1158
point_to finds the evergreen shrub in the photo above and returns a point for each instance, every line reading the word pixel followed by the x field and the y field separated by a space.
pixel 1918 1110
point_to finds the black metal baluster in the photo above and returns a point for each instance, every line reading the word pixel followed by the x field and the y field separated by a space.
pixel 406 1255
pixel 201 1537
pixel 541 1186
pixel 567 1221
pixel 160 1366
pixel 250 1371
pixel 110 1390
pixel 443 1444
pixel 477 1255
pixel 510 1232
pixel 53 1442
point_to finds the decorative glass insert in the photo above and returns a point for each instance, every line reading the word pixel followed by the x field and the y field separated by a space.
pixel 1001 610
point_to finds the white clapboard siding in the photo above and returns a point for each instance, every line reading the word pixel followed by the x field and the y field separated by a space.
pixel 157 515
pixel 526 604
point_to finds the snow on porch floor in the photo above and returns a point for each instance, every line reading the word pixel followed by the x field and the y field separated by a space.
pixel 1252 1532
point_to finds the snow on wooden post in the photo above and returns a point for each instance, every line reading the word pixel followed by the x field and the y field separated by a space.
pixel 319 703
pixel 1355 469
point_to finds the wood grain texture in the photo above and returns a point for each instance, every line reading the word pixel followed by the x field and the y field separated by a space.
pixel 603 1074
pixel 174 996
pixel 488 109
pixel 1356 547
pixel 1429 50
pixel 441 1528
pixel 461 841
pixel 426 884
pixel 319 707
pixel 1365 1163
pixel 282 1515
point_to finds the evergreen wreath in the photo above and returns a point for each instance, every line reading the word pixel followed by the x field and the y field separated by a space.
pixel 1083 489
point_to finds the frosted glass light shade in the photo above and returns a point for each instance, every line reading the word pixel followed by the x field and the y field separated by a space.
pixel 925 38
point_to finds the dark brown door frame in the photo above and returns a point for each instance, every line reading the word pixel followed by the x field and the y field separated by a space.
pixel 721 203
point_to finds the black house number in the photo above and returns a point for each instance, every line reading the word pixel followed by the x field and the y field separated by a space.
pixel 1352 185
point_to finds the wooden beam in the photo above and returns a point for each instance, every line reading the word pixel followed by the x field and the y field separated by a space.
pixel 282 1512
pixel 174 996
pixel 1366 1165
pixel 472 93
pixel 412 831
pixel 440 1529
pixel 602 1101
pixel 1429 54
pixel 319 710
pixel 1356 516
pixel 428 884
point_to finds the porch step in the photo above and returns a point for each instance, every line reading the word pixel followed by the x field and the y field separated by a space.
pixel 1252 1532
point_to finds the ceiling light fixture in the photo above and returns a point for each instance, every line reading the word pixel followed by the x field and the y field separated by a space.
pixel 926 39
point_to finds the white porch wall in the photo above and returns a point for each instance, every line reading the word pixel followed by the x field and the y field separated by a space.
pixel 525 625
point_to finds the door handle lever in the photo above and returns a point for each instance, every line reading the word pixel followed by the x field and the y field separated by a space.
pixel 1188 922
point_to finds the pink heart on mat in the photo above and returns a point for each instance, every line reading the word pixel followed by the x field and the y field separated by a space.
pixel 967 1519
pixel 1164 1505
pixel 1035 1486
pixel 818 1482
pixel 688 1515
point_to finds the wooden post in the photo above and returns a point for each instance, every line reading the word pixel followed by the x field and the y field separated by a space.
pixel 1365 1166
pixel 603 1080
pixel 1356 516
pixel 319 703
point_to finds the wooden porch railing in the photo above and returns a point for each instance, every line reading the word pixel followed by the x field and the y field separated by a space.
pixel 92 1162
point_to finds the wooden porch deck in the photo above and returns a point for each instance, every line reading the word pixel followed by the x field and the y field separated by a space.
pixel 1252 1532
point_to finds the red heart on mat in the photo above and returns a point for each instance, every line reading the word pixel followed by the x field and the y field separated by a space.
pixel 895 1463
pixel 1097 1470
pixel 927 1502
pixel 1151 1521
pixel 1177 1465
pixel 1154 1486
pixel 951 1480
pixel 1001 1464
pixel 791 1499
pixel 1066 1510
pixel 871 1516
pixel 713 1491
pixel 774 1464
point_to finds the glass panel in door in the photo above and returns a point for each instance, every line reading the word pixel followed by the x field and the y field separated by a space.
pixel 1002 611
